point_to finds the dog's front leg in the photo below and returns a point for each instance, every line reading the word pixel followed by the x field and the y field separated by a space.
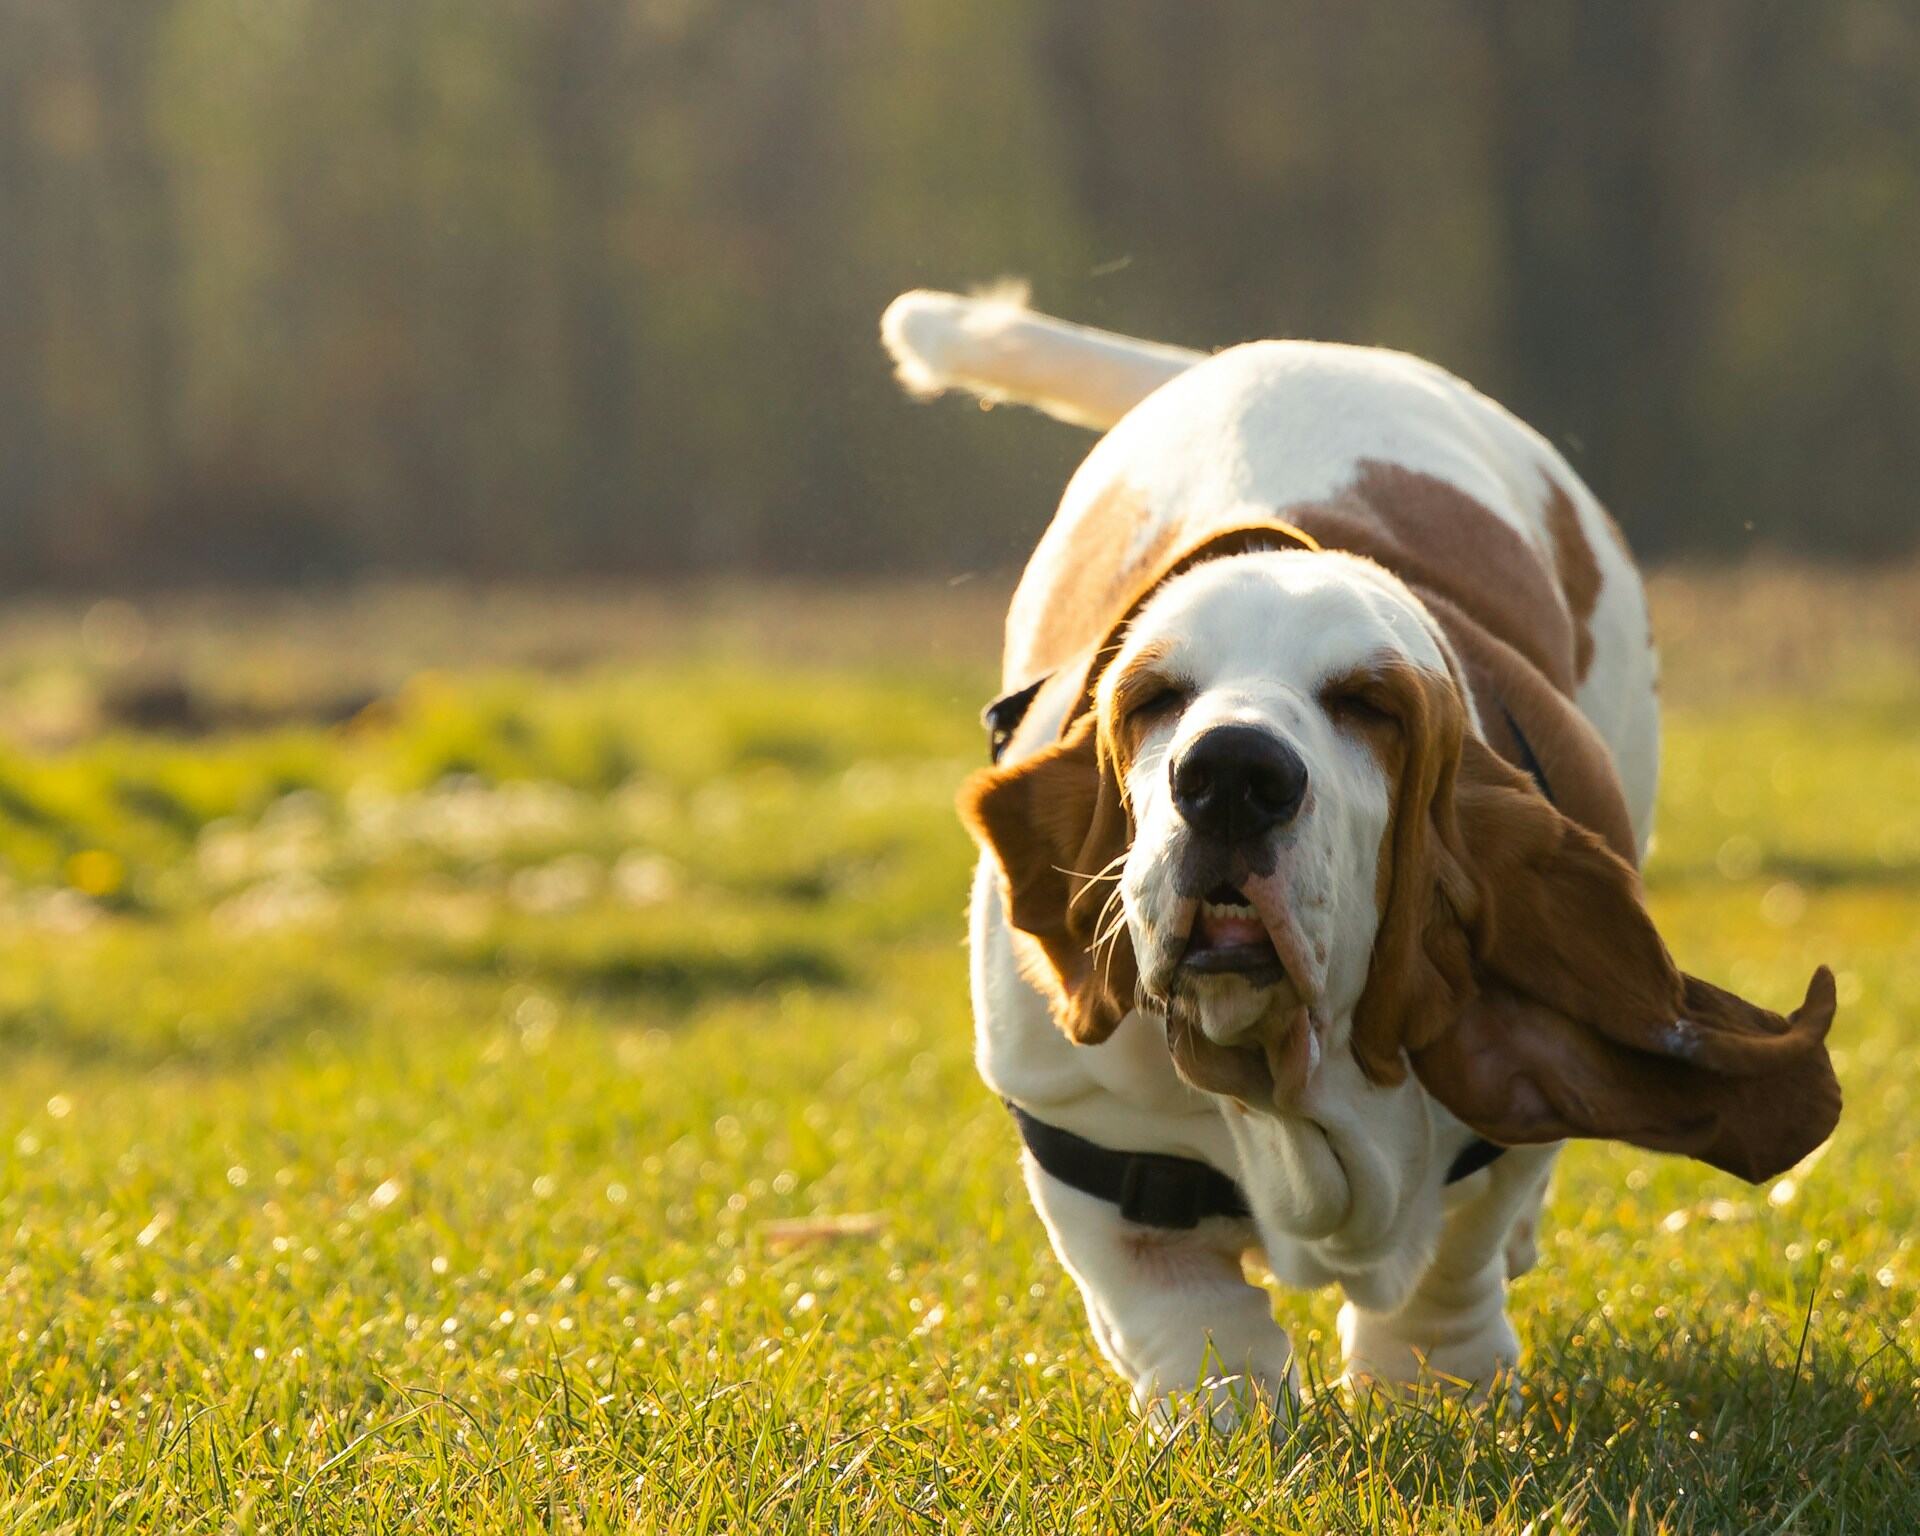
pixel 1452 1330
pixel 1171 1310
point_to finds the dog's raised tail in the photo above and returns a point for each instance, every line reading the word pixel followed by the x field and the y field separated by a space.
pixel 992 345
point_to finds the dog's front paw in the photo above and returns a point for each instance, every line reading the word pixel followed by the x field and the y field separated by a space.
pixel 1474 1357
pixel 1268 1389
pixel 1222 1403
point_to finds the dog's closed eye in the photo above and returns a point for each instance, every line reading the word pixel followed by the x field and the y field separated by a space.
pixel 1355 703
pixel 1157 705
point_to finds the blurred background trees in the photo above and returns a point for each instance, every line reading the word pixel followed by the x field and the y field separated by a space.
pixel 304 288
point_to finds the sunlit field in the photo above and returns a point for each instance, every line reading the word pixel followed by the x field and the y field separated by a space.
pixel 505 1064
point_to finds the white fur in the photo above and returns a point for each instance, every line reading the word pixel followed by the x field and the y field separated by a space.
pixel 1347 1183
pixel 997 348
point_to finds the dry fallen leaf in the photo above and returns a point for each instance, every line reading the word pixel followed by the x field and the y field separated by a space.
pixel 799 1231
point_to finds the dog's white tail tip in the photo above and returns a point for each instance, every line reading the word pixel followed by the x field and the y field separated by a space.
pixel 992 345
pixel 929 334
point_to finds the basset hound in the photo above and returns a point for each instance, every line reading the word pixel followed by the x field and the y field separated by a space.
pixel 1307 918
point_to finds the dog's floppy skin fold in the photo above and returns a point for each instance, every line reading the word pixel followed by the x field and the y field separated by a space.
pixel 1515 965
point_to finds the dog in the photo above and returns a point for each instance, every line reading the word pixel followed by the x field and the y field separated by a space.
pixel 1307 920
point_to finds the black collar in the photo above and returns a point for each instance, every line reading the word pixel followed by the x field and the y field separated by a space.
pixel 1003 716
pixel 1157 1189
pixel 1528 759
pixel 1154 1189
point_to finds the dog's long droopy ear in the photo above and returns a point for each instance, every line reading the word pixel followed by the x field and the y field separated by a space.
pixel 1421 973
pixel 1057 826
pixel 1542 1003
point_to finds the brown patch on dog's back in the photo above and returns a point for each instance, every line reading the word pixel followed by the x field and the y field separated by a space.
pixel 1578 571
pixel 1443 542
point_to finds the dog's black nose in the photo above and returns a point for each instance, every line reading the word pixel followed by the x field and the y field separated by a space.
pixel 1234 782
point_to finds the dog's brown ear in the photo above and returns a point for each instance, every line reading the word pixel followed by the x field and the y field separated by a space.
pixel 1421 973
pixel 1057 826
pixel 1542 1003
pixel 1520 1073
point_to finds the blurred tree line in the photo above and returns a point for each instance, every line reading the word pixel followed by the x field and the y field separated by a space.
pixel 310 287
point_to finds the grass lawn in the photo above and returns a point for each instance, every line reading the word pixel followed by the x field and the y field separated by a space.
pixel 543 1100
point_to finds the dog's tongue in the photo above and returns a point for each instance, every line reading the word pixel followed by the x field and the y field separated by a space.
pixel 1215 930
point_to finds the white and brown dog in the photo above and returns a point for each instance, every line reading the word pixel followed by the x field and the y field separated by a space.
pixel 1308 885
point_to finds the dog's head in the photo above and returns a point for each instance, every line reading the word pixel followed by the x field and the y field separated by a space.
pixel 1275 826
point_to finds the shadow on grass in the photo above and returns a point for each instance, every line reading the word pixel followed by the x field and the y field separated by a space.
pixel 675 979
pixel 215 1038
pixel 1720 1431
pixel 1815 874
pixel 1688 1434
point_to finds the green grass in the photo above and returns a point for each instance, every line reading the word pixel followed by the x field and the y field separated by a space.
pixel 439 1122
